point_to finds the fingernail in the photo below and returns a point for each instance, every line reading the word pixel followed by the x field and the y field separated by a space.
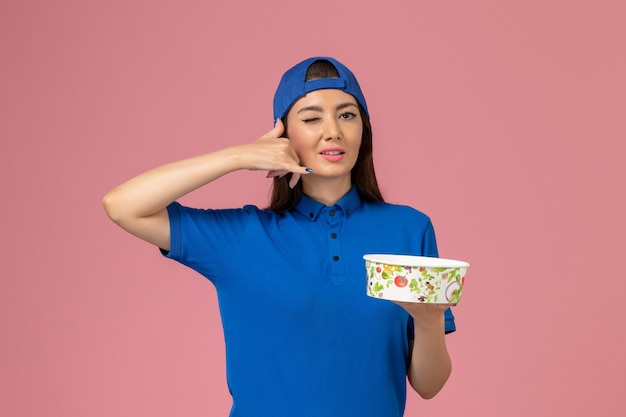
pixel 309 170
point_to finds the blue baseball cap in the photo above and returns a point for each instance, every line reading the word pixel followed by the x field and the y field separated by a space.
pixel 292 85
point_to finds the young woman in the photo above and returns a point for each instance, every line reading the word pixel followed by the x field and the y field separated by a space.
pixel 302 338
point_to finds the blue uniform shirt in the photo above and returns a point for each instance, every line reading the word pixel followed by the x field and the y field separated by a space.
pixel 302 337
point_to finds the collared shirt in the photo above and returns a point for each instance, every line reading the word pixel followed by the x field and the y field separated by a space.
pixel 302 337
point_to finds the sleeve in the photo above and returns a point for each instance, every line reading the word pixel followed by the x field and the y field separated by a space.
pixel 429 241
pixel 450 325
pixel 205 240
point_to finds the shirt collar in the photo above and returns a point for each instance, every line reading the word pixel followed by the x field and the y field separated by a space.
pixel 312 208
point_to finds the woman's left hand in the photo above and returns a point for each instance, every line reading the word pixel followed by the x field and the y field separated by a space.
pixel 425 313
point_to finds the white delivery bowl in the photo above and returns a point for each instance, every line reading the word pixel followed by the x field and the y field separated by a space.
pixel 418 279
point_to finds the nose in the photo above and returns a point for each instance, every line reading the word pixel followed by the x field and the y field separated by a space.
pixel 331 129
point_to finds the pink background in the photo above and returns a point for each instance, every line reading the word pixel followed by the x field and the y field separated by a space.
pixel 504 121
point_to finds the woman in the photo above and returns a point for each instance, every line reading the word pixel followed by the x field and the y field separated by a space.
pixel 302 338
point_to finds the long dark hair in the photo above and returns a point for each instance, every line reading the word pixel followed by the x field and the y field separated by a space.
pixel 363 175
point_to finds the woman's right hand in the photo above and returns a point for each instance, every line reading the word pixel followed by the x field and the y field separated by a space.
pixel 274 153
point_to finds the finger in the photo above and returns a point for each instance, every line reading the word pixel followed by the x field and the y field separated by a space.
pixel 276 173
pixel 294 180
pixel 277 131
pixel 279 174
pixel 296 169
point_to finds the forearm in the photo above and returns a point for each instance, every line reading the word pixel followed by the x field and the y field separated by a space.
pixel 152 191
pixel 430 362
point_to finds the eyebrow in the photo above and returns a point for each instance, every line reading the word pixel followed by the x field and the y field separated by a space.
pixel 318 108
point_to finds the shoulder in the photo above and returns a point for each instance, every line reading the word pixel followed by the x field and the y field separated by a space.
pixel 197 211
pixel 193 214
pixel 398 212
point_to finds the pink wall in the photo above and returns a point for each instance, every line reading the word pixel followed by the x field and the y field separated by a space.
pixel 504 121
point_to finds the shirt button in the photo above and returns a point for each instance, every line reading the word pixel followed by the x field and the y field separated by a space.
pixel 311 215
pixel 335 258
pixel 332 212
pixel 333 235
pixel 348 211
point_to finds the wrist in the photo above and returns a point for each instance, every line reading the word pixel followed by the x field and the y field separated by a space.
pixel 236 157
pixel 429 324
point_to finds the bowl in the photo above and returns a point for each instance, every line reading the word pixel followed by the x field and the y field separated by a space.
pixel 419 279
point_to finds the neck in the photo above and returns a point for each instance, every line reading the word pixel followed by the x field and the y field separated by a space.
pixel 326 191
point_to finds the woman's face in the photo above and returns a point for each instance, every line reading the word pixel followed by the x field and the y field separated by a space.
pixel 325 130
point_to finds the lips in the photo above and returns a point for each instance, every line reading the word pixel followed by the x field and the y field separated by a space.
pixel 335 150
pixel 332 154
